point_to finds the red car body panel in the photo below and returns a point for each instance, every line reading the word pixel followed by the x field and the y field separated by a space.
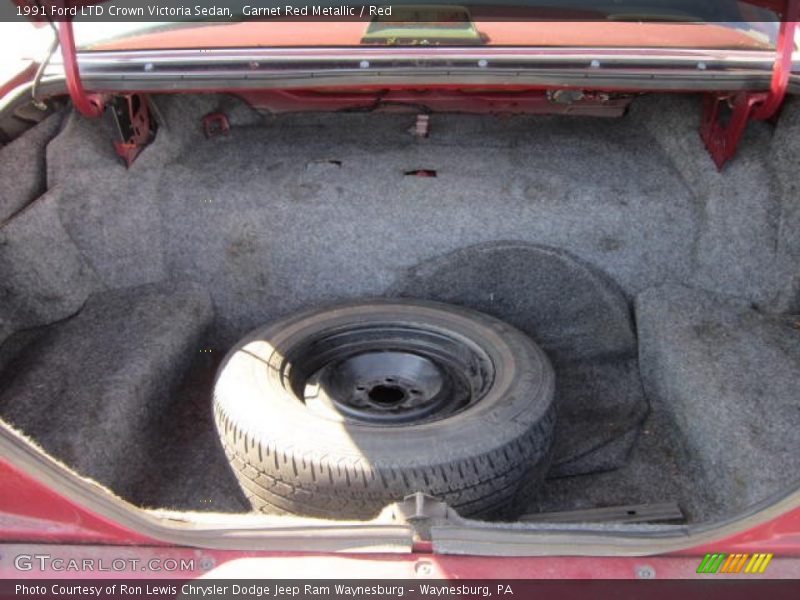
pixel 30 511
pixel 278 33
pixel 33 513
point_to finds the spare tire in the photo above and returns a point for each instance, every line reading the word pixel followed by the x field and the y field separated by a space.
pixel 337 413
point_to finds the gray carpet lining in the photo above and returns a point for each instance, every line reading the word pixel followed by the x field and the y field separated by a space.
pixel 728 376
pixel 44 277
pixel 22 166
pixel 579 317
pixel 88 389
pixel 294 212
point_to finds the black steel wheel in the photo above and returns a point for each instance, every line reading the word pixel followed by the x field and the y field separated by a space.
pixel 339 412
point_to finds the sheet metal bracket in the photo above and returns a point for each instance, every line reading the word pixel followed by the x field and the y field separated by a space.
pixel 725 116
pixel 134 125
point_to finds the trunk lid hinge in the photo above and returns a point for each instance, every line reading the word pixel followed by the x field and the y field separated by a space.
pixel 130 112
pixel 89 105
pixel 725 116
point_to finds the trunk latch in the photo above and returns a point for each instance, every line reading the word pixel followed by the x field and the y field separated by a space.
pixel 421 512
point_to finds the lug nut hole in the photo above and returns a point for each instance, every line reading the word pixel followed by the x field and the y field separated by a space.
pixel 386 395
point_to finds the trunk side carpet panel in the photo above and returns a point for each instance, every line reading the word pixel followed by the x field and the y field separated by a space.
pixel 43 276
pixel 728 377
pixel 748 216
pixel 88 390
pixel 578 316
pixel 784 157
pixel 22 166
pixel 111 213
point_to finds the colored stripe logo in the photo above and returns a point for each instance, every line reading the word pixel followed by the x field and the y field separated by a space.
pixel 734 563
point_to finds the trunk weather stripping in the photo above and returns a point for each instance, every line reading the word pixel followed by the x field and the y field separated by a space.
pixel 635 513
pixel 721 132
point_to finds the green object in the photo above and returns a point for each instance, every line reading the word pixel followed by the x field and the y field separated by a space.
pixel 711 563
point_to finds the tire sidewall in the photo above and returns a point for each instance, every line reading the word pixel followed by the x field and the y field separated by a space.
pixel 519 397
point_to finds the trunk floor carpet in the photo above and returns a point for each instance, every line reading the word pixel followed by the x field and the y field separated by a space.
pixel 294 212
pixel 707 455
pixel 90 388
pixel 187 470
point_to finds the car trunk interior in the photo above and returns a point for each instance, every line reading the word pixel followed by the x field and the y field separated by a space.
pixel 665 293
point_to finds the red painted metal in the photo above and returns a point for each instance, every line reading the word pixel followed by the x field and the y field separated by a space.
pixel 30 511
pixel 137 128
pixel 721 135
pixel 450 99
pixel 89 105
pixel 497 33
pixel 780 535
pixel 215 124
pixel 524 100
pixel 232 564
pixel 784 46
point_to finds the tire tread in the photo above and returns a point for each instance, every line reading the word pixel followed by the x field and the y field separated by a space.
pixel 309 484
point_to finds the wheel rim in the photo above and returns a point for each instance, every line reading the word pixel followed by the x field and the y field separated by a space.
pixel 388 375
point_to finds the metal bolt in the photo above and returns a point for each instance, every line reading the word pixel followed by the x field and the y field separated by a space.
pixel 206 563
pixel 483 63
pixel 423 567
pixel 148 66
pixel 645 572
pixel 701 65
pixel 595 63
pixel 364 64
